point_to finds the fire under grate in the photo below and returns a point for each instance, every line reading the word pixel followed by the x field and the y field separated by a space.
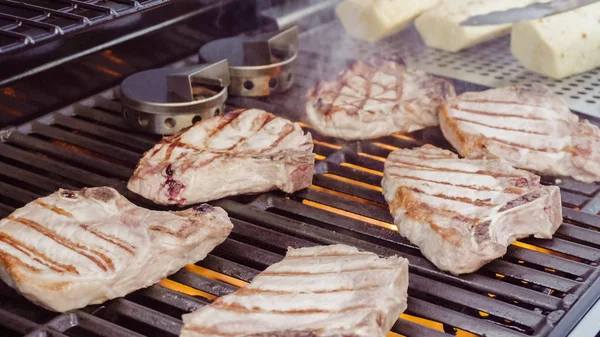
pixel 536 289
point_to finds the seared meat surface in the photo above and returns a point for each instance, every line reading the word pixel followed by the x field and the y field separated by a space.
pixel 376 98
pixel 74 248
pixel 463 213
pixel 531 128
pixel 325 291
pixel 243 151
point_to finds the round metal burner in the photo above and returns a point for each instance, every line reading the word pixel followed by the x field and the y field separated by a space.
pixel 167 100
pixel 260 65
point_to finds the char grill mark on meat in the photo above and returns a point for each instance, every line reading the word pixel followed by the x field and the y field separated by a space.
pixel 325 291
pixel 75 248
pixel 463 213
pixel 376 98
pixel 531 128
pixel 240 152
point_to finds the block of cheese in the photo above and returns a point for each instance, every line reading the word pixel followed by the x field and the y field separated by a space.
pixel 561 45
pixel 372 20
pixel 440 26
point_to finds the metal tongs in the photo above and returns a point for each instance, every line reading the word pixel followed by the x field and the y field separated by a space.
pixel 531 12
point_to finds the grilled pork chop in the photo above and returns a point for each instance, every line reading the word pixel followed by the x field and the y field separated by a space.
pixel 463 213
pixel 243 151
pixel 531 128
pixel 376 98
pixel 74 248
pixel 326 291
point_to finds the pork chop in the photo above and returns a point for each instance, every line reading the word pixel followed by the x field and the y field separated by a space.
pixel 376 98
pixel 243 151
pixel 463 213
pixel 74 248
pixel 532 128
pixel 326 291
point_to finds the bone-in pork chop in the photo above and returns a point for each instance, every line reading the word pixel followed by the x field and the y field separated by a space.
pixel 531 128
pixel 74 248
pixel 326 291
pixel 376 98
pixel 243 151
pixel 463 213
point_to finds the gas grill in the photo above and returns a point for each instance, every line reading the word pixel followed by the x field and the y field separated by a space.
pixel 539 288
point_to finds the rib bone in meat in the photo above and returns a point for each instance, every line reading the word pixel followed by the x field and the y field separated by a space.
pixel 463 213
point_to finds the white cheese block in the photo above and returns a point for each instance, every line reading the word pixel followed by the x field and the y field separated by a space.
pixel 561 45
pixel 440 27
pixel 372 20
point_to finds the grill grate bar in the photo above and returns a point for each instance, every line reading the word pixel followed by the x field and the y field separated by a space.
pixel 265 237
pixel 202 283
pixel 244 253
pixel 16 193
pixel 103 148
pixel 48 185
pixel 227 267
pixel 90 322
pixel 566 247
pixel 105 133
pixel 588 219
pixel 531 276
pixel 16 322
pixel 139 313
pixel 57 20
pixel 56 167
pixel 438 313
pixel 590 237
pixel 85 160
pixel 413 329
pixel 557 263
pixel 173 298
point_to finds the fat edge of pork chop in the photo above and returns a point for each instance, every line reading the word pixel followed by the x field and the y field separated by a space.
pixel 324 291
pixel 531 128
pixel 240 152
pixel 463 213
pixel 376 98
pixel 75 248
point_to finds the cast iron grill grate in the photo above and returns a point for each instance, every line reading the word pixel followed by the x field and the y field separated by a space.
pixel 529 292
pixel 28 22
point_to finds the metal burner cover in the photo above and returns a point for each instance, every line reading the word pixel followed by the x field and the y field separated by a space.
pixel 259 65
pixel 167 100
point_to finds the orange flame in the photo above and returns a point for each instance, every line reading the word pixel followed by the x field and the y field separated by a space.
pixel 351 215
pixel 329 145
pixel 109 55
pixel 363 169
